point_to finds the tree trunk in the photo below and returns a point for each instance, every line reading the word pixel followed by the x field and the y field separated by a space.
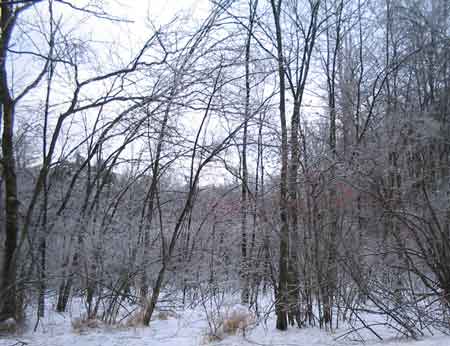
pixel 245 264
pixel 293 284
pixel 282 296
pixel 8 290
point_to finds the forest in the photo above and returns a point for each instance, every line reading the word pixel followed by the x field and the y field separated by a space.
pixel 272 164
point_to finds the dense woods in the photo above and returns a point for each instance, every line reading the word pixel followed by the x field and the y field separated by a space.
pixel 290 150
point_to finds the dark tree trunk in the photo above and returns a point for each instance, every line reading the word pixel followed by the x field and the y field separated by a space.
pixel 8 289
pixel 63 295
pixel 282 291
pixel 245 261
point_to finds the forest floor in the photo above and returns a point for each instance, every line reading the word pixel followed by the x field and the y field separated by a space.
pixel 190 328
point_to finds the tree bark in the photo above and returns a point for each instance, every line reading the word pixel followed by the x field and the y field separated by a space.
pixel 8 290
pixel 282 296
pixel 245 264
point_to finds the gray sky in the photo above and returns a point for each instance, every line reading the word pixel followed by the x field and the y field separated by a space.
pixel 114 43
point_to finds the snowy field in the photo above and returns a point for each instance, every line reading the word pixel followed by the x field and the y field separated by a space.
pixel 190 328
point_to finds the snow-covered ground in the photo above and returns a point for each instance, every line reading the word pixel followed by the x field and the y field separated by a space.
pixel 190 328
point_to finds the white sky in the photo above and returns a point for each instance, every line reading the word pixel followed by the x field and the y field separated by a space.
pixel 125 39
pixel 157 12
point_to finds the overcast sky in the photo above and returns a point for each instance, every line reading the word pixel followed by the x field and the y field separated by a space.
pixel 114 43
pixel 158 12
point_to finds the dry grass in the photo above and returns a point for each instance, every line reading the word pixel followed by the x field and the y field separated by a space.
pixel 136 318
pixel 83 324
pixel 232 322
pixel 237 321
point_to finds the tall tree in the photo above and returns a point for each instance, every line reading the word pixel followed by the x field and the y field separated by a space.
pixel 245 266
pixel 292 75
pixel 8 291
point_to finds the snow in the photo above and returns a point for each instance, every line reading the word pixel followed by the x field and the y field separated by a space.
pixel 190 328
